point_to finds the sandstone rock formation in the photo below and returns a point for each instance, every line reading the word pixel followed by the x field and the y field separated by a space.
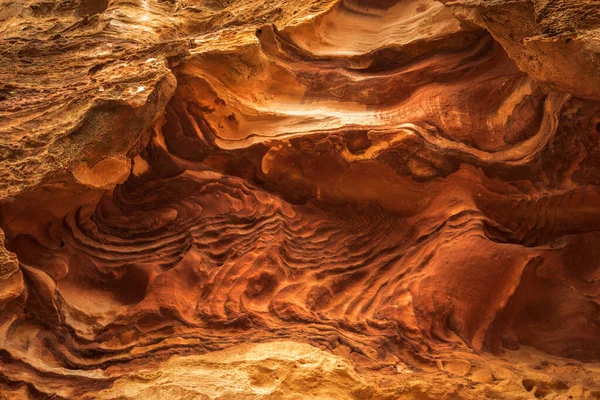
pixel 320 199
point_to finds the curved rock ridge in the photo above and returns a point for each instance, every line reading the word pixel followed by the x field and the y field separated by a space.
pixel 363 199
pixel 555 41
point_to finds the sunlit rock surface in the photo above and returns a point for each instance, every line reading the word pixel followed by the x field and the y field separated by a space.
pixel 356 199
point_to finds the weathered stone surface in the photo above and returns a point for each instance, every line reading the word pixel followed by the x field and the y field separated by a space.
pixel 557 42
pixel 286 200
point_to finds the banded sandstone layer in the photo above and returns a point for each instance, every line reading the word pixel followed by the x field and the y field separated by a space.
pixel 355 199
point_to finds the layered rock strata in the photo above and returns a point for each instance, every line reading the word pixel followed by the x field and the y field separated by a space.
pixel 289 200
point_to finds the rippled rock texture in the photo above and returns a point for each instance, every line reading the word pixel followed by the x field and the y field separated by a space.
pixel 355 199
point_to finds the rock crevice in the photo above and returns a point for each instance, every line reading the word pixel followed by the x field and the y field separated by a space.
pixel 332 200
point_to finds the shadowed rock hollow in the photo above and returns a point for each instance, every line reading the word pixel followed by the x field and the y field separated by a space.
pixel 355 199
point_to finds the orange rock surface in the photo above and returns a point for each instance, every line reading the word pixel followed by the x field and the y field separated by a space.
pixel 284 199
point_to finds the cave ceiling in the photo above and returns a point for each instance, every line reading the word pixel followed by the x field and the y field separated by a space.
pixel 299 199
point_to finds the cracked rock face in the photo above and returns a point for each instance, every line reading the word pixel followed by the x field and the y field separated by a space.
pixel 355 199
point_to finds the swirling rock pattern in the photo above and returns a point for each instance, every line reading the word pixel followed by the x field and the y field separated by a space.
pixel 362 199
